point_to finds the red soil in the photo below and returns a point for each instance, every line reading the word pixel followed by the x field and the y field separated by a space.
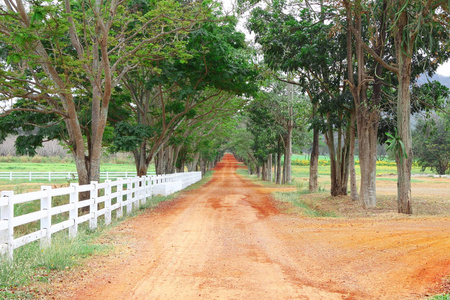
pixel 228 240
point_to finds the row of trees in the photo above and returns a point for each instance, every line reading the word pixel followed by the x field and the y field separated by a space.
pixel 152 77
pixel 356 60
pixel 165 80
pixel 269 126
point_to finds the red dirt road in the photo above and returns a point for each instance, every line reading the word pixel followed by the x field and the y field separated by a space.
pixel 228 240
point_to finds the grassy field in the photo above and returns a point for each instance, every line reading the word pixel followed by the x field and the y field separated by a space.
pixel 45 164
pixel 303 171
pixel 62 167
pixel 430 194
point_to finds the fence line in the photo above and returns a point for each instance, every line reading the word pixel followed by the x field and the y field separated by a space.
pixel 124 194
pixel 62 175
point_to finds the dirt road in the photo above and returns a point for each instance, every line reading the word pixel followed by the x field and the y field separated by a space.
pixel 228 240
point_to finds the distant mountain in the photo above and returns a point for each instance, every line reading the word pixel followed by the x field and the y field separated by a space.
pixel 444 80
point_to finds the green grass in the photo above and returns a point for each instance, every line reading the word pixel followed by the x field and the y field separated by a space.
pixel 303 171
pixel 33 264
pixel 294 199
pixel 441 297
pixel 64 167
pixel 24 185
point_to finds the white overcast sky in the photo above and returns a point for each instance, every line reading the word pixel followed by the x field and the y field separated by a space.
pixel 444 69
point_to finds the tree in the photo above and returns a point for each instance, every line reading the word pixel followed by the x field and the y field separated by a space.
pixel 431 140
pixel 302 42
pixel 65 59
pixel 366 87
pixel 274 117
pixel 414 25
pixel 168 92
pixel 418 33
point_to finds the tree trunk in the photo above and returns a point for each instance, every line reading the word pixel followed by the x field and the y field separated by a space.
pixel 160 162
pixel 191 166
pixel 169 164
pixel 339 159
pixel 367 114
pixel 288 154
pixel 314 163
pixel 353 188
pixel 264 171
pixel 404 131
pixel 269 168
pixel 367 142
pixel 203 167
pixel 279 168
pixel 275 165
pixel 140 160
pixel 404 51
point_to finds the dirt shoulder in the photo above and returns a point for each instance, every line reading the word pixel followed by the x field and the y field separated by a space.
pixel 229 240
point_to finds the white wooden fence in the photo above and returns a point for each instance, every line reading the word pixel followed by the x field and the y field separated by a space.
pixel 61 175
pixel 103 199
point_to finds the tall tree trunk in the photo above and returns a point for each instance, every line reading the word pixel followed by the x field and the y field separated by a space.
pixel 353 188
pixel 269 168
pixel 264 171
pixel 367 113
pixel 203 166
pixel 288 155
pixel 314 163
pixel 279 168
pixel 339 160
pixel 404 51
pixel 275 167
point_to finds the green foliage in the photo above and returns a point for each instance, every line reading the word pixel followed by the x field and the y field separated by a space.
pixel 396 145
pixel 183 97
pixel 431 140
pixel 128 137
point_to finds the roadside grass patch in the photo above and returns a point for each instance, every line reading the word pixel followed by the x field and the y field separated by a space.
pixel 294 198
pixel 256 180
pixel 441 297
pixel 305 208
pixel 32 264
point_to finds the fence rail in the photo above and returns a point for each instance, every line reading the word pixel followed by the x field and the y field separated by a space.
pixel 99 199
pixel 62 175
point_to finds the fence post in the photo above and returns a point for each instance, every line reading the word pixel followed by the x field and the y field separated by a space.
pixel 119 212
pixel 149 187
pixel 143 187
pixel 137 190
pixel 93 207
pixel 46 221
pixel 10 176
pixel 7 235
pixel 108 201
pixel 73 213
pixel 30 177
pixel 129 195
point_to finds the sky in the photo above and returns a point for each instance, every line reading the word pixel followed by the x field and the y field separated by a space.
pixel 444 69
